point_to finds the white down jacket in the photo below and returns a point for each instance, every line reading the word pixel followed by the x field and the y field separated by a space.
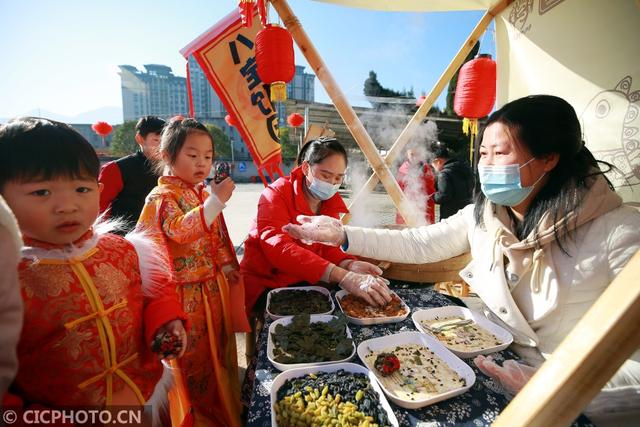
pixel 598 251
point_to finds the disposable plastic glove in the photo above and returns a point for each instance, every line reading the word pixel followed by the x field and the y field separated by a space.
pixel 320 228
pixel 512 375
pixel 372 289
pixel 363 267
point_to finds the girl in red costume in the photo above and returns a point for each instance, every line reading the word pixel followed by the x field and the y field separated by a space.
pixel 186 220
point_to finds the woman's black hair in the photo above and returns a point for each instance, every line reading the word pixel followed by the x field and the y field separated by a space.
pixel 34 148
pixel 316 150
pixel 174 134
pixel 546 124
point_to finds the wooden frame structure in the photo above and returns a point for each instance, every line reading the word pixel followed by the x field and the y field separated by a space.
pixel 583 362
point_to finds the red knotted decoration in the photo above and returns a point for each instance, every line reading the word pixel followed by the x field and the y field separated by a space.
pixel 295 120
pixel 275 60
pixel 230 120
pixel 246 12
pixel 102 129
pixel 475 94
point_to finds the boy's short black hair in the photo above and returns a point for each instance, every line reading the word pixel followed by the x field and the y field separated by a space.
pixel 33 148
pixel 149 124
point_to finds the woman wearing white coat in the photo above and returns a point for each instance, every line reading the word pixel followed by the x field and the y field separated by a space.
pixel 547 235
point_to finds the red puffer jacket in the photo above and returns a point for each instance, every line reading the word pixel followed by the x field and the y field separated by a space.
pixel 272 258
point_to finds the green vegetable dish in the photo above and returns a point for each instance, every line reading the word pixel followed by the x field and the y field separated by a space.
pixel 304 342
pixel 329 398
pixel 289 303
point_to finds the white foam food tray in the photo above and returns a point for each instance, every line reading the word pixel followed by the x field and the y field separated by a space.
pixel 349 367
pixel 320 289
pixel 287 320
pixel 372 320
pixel 480 319
pixel 391 341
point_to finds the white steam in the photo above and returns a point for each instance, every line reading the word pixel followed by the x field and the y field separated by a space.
pixel 384 127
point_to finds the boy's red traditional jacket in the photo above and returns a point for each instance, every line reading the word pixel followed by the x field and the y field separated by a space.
pixel 87 324
pixel 272 258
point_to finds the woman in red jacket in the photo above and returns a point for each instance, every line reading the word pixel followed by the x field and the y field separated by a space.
pixel 273 259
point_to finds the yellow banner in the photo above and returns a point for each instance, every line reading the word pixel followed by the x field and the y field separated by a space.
pixel 587 52
pixel 226 54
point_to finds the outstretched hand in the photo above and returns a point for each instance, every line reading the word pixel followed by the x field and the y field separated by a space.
pixel 364 267
pixel 372 289
pixel 166 336
pixel 320 228
pixel 512 375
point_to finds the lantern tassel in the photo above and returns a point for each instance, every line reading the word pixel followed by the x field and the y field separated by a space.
pixel 470 127
pixel 278 91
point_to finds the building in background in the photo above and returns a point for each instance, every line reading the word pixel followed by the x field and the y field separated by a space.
pixel 157 91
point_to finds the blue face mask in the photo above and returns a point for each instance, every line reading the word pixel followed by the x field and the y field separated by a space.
pixel 322 190
pixel 501 184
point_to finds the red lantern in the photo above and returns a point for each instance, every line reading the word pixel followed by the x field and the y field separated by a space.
pixel 475 94
pixel 246 12
pixel 102 129
pixel 295 120
pixel 230 120
pixel 275 60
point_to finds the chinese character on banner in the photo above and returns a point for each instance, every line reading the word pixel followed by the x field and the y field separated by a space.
pixel 226 54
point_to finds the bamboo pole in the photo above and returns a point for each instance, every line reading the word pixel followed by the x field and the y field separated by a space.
pixel 362 138
pixel 585 360
pixel 418 117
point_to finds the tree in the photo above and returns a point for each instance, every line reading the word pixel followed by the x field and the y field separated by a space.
pixel 289 148
pixel 221 142
pixel 372 87
pixel 451 91
pixel 123 142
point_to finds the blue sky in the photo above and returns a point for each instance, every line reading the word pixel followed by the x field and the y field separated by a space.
pixel 62 56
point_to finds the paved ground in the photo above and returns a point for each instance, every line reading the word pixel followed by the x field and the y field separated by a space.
pixel 241 210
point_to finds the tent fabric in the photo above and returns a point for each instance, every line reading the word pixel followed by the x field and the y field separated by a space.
pixel 416 5
pixel 587 52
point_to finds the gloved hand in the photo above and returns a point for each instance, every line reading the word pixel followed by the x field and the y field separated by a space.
pixel 512 375
pixel 362 267
pixel 372 289
pixel 320 228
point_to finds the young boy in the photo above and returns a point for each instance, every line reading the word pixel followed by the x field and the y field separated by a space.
pixel 128 180
pixel 93 302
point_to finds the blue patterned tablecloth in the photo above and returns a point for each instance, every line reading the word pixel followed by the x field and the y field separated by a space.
pixel 479 406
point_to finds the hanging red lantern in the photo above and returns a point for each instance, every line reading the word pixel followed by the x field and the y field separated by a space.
pixel 275 60
pixel 230 120
pixel 246 12
pixel 295 120
pixel 103 129
pixel 475 94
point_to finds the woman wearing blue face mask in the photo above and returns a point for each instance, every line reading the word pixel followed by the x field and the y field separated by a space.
pixel 547 234
pixel 273 259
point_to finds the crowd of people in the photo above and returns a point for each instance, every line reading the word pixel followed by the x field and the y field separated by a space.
pixel 122 286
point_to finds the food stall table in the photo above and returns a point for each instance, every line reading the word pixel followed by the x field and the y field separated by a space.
pixel 479 406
